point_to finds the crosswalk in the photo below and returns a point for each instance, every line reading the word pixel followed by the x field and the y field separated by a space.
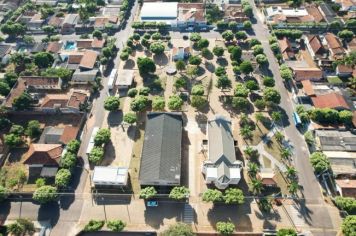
pixel 296 216
pixel 188 215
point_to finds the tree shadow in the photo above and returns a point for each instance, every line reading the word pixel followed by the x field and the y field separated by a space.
pixel 185 158
pixel 109 155
pixel 67 200
pixel 49 211
pixel 160 59
pixel 115 118
pixel 209 66
pixel 129 64
pixel 201 71
pixel 222 61
pixel 168 210
pixel 5 208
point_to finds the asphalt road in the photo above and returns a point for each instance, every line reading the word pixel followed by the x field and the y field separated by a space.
pixel 313 206
pixel 65 214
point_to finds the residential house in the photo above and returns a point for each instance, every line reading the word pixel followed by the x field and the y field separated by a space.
pixel 88 60
pixel 162 151
pixel 110 177
pixel 94 44
pixel 5 53
pixel 56 22
pixel 43 159
pixel 334 45
pixel 65 103
pixel 100 23
pixel 35 23
pixel 124 79
pixel 221 167
pixel 84 76
pixel 267 177
pixel 330 100
pixel 54 47
pixel 327 12
pixel 277 14
pixel 342 162
pixel 315 47
pixel 59 135
pixel 235 13
pixel 191 15
pixel 286 49
pixel 344 71
pixel 69 22
pixel 307 73
pixel 334 140
pixel 346 187
pixel 180 53
pixel 315 13
pixel 351 46
pixel 346 5
pixel 35 83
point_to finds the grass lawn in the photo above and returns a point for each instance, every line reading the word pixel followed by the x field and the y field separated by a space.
pixel 281 182
pixel 257 135
pixel 266 162
pixel 334 80
pixel 274 148
pixel 13 176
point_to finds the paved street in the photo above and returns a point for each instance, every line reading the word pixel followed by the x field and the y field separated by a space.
pixel 313 206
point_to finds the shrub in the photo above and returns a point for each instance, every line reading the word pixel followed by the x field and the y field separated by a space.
pixel 102 137
pixel 148 192
pixel 94 225
pixel 225 228
pixel 45 194
pixel 116 225
pixel 179 193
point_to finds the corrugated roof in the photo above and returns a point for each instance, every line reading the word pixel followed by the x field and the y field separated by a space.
pixel 88 60
pixel 330 100
pixel 161 153
pixel 308 88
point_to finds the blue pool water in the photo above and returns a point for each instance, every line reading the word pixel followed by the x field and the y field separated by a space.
pixel 69 45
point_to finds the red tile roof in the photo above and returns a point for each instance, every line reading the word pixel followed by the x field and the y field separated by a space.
pixel 334 44
pixel 307 74
pixel 314 11
pixel 308 88
pixel 43 154
pixel 88 60
pixel 315 44
pixel 344 69
pixel 76 99
pixel 54 47
pixel 69 133
pixel 330 100
pixel 55 101
pixel 98 43
pixel 40 80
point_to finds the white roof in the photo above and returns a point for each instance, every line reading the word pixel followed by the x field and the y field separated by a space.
pixel 271 11
pixel 159 10
pixel 124 78
pixel 235 173
pixel 211 173
pixel 340 154
pixel 108 175
pixel 91 141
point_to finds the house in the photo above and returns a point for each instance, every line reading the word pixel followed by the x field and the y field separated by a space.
pixel 235 13
pixel 152 11
pixel 346 5
pixel 67 103
pixel 221 167
pixel 191 15
pixel 54 47
pixel 342 163
pixel 277 14
pixel 335 46
pixel 180 53
pixel 286 49
pixel 344 71
pixel 69 23
pixel 94 44
pixel 327 12
pixel 35 22
pixel 59 135
pixel 346 187
pixel 267 177
pixel 162 151
pixel 88 60
pixel 307 73
pixel 334 140
pixel 315 47
pixel 35 83
pixel 124 79
pixel 109 176
pixel 331 100
pixel 84 76
pixel 351 46
pixel 5 50
pixel 315 13
pixel 56 22
pixel 100 23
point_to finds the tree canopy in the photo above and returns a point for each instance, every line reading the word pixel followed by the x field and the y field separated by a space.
pixel 62 178
pixel 349 225
pixel 112 103
pixel 139 103
pixel 178 229
pixel 102 137
pixel 146 65
pixel 148 192
pixel 320 162
pixel 43 59
pixel 175 102
pixel 45 194
pixel 179 193
pixel 225 228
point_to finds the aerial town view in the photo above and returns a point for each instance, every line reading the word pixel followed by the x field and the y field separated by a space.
pixel 178 117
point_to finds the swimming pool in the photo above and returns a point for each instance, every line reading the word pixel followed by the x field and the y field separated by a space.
pixel 69 45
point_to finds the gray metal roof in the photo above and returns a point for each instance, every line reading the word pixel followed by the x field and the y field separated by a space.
pixel 51 135
pixel 333 140
pixel 161 153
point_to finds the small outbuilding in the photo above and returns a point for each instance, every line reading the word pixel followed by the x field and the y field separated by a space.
pixel 124 79
pixel 109 176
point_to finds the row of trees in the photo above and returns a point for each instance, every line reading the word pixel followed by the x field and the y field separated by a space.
pixel 230 196
pixel 177 193
pixel 101 138
pixel 96 225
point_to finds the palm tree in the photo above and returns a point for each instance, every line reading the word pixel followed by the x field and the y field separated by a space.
pixel 276 116
pixel 252 169
pixel 256 186
pixel 246 132
pixel 244 119
pixel 291 172
pixel 286 153
pixel 249 151
pixel 259 117
pixel 279 136
pixel 293 188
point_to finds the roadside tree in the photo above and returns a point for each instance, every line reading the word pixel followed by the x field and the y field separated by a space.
pixel 234 196
pixel 212 195
pixel 148 192
pixel 96 155
pixel 223 82
pixel 179 193
pixel 175 102
pixel 130 118
pixel 116 225
pixel 139 103
pixel 45 194
pixel 158 103
pixel 62 178
pixel 225 228
pixel 102 136
pixel 320 162
pixel 112 103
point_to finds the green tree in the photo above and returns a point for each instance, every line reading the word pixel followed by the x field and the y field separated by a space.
pixel 225 228
pixel 234 196
pixel 346 35
pixel 286 232
pixel 139 103
pixel 348 226
pixel 279 136
pixel 175 102
pixel 10 78
pixel 206 53
pixel 158 103
pixel 68 160
pixel 223 82
pixel 130 118
pixel 247 9
pixel 252 169
pixel 286 73
pixel 198 90
pixel 146 65
pixel 73 146
pixel 97 34
pixel 291 172
pixel 261 59
pixel 43 59
pixel 293 187
pixel 212 195
pixel 94 226
pixel 12 140
pixel 178 229
pixel 218 51
pixel 246 67
pixel 276 116
pixel 156 36
pixel 148 192
pixel 247 24
pixel 195 60
pixel 240 103
pixel 33 129
pixel 157 48
pixel 203 43
pixel 63 178
pixel 17 130
pixel 271 95
pixel 228 35
pixel 179 193
pixel 132 92
pixel 4 89
pixel 252 85
pixel 268 81
pixel 260 104
pixel 4 193
pixel 22 102
pixel 192 71
pixel 241 90
pixel 256 186
pixel 180 65
pixel 96 155
pixel 320 162
pixel 345 117
pixel 347 204
pixel 124 56
pixel 309 138
pixel 40 182
pixel 198 101
pixel 45 194
pixel 145 91
pixel 241 35
pixel 236 53
pixel 112 103
pixel 116 225
pixel 13 29
pixel 257 49
pixel 195 37
pixel 102 137
pixel 21 227
pixel 136 36
pixel 232 25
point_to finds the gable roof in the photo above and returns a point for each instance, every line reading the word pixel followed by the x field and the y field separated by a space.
pixel 330 100
pixel 4 49
pixel 69 133
pixel 88 60
pixel 334 44
pixel 43 154
pixel 314 11
pixel 307 74
pixel 161 152
pixel 40 81
pixel 55 101
pixel 54 47
pixel 315 44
